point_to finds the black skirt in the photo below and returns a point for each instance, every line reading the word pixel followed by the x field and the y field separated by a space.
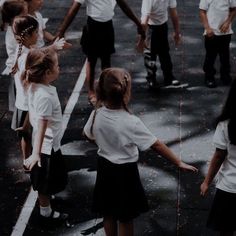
pixel 51 177
pixel 98 38
pixel 118 191
pixel 221 216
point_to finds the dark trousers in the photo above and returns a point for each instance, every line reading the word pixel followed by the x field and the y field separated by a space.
pixel 159 45
pixel 217 45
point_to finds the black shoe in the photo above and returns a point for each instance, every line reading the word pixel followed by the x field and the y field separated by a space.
pixel 50 222
pixel 210 83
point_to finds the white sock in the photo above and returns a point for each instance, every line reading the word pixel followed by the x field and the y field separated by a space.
pixel 45 211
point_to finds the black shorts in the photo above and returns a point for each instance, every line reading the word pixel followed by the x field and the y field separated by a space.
pixel 98 38
pixel 118 191
pixel 221 216
pixel 51 177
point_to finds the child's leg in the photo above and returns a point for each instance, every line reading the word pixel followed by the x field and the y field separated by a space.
pixel 90 74
pixel 110 226
pixel 105 61
pixel 126 229
pixel 25 147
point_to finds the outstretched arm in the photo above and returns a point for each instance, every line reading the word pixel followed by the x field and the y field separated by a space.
pixel 215 164
pixel 175 21
pixel 127 10
pixel 68 18
pixel 164 151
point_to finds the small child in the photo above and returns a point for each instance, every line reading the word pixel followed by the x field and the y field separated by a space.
pixel 98 37
pixel 221 217
pixel 9 10
pixel 216 17
pixel 118 194
pixel 48 173
pixel 154 15
pixel 33 7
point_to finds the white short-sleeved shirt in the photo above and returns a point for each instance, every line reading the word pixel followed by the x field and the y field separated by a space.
pixel 217 13
pixel 119 135
pixel 44 104
pixel 11 47
pixel 226 178
pixel 99 10
pixel 156 10
pixel 42 26
pixel 21 91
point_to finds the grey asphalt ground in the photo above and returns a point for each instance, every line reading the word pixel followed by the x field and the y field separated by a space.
pixel 181 117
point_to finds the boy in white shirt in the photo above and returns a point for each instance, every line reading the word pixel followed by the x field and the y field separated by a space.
pixel 155 17
pixel 216 17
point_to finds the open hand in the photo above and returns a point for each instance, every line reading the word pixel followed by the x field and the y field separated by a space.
pixel 31 161
pixel 185 166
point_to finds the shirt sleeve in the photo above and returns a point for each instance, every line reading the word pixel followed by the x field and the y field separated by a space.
pixel 172 4
pixel 44 108
pixel 87 127
pixel 142 137
pixel 232 3
pixel 219 139
pixel 80 1
pixel 146 9
pixel 203 5
pixel 42 21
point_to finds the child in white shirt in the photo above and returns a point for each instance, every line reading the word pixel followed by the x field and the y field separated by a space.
pixel 118 194
pixel 223 163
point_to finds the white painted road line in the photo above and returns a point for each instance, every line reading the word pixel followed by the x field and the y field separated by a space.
pixel 29 205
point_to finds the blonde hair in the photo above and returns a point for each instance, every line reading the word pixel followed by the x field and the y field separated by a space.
pixel 38 61
pixel 114 87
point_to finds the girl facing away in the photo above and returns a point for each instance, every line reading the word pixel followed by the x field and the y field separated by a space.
pixel 33 8
pixel 223 164
pixel 48 173
pixel 118 195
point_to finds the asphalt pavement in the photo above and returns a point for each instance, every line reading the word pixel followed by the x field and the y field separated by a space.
pixel 182 117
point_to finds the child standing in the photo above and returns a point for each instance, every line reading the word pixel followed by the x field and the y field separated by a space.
pixel 216 17
pixel 154 15
pixel 9 10
pixel 98 35
pixel 118 194
pixel 33 7
pixel 48 174
pixel 224 163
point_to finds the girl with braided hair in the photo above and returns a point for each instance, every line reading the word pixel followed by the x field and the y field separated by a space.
pixel 118 195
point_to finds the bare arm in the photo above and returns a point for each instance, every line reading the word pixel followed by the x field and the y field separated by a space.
pixel 164 151
pixel 215 164
pixel 224 28
pixel 204 20
pixel 127 10
pixel 35 157
pixel 68 18
pixel 48 36
pixel 175 21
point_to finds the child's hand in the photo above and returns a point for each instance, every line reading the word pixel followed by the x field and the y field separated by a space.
pixel 204 189
pixel 185 166
pixel 177 38
pixel 31 161
pixel 141 44
pixel 224 28
pixel 61 44
pixel 209 32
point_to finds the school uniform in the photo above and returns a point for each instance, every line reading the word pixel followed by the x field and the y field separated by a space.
pixel 11 46
pixel 21 102
pixel 44 104
pixel 224 203
pixel 157 10
pixel 118 190
pixel 98 35
pixel 217 13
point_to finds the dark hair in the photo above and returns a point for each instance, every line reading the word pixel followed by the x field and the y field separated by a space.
pixel 38 61
pixel 23 26
pixel 228 113
pixel 113 87
pixel 11 9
